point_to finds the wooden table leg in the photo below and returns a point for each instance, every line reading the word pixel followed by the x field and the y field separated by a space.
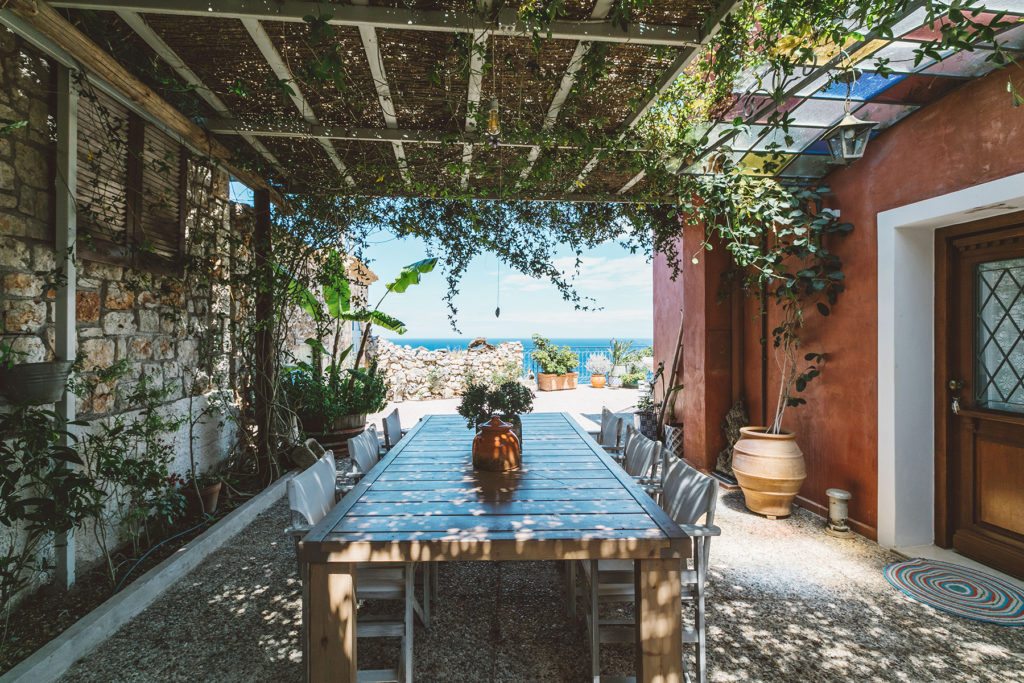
pixel 659 638
pixel 332 623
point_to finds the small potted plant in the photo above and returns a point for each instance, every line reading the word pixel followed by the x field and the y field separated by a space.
pixel 202 491
pixel 598 366
pixel 619 351
pixel 508 400
pixel 557 365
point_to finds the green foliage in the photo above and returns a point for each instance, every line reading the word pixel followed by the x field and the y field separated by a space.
pixel 508 400
pixel 618 350
pixel 128 456
pixel 42 493
pixel 8 127
pixel 632 380
pixel 327 396
pixel 552 359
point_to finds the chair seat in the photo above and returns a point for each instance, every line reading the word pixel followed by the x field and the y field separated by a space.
pixel 379 676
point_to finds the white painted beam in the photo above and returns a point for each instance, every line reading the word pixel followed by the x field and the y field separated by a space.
pixel 601 10
pixel 165 52
pixel 283 73
pixel 65 315
pixel 401 18
pixel 712 25
pixel 476 77
pixel 388 135
pixel 368 35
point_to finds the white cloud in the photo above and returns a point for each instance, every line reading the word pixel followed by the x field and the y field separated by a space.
pixel 596 274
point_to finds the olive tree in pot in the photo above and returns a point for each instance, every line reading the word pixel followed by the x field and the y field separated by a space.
pixel 557 365
pixel 778 240
pixel 508 400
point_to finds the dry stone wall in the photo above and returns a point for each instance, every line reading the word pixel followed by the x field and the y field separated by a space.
pixel 418 374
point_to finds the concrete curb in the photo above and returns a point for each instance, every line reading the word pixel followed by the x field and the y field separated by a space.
pixel 52 660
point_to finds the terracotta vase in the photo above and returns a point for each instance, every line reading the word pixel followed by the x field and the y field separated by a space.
pixel 496 448
pixel 770 469
pixel 597 381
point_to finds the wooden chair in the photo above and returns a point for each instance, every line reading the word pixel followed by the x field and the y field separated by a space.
pixel 393 431
pixel 311 495
pixel 610 435
pixel 689 497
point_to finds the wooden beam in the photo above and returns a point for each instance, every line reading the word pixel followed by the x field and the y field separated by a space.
pixel 65 313
pixel 712 25
pixel 425 137
pixel 477 61
pixel 264 371
pixel 368 36
pixel 507 21
pixel 48 26
pixel 283 73
pixel 601 10
pixel 164 51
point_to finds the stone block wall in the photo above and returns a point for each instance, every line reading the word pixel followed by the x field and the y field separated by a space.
pixel 176 327
pixel 419 374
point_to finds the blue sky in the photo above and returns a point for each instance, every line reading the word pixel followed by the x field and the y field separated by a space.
pixel 619 282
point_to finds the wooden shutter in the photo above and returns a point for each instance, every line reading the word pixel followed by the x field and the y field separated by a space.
pixel 102 193
pixel 160 232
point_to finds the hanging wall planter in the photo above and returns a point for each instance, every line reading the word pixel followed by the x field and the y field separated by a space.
pixel 35 383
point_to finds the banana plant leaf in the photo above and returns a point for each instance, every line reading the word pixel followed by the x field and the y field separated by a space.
pixel 410 275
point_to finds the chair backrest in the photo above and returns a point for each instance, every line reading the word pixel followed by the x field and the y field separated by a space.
pixel 641 455
pixel 611 429
pixel 311 492
pixel 689 495
pixel 392 429
pixel 364 449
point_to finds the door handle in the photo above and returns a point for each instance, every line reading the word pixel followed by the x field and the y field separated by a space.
pixel 955 385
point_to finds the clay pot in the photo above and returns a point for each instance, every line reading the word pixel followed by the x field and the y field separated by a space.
pixel 551 382
pixel 496 448
pixel 598 381
pixel 770 469
pixel 206 503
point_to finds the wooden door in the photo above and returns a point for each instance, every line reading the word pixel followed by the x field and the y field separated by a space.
pixel 981 393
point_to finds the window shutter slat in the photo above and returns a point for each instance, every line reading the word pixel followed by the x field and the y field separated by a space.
pixel 160 224
pixel 102 169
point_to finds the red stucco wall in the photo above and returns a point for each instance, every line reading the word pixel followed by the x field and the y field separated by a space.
pixel 971 136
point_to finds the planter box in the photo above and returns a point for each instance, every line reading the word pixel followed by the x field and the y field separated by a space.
pixel 551 382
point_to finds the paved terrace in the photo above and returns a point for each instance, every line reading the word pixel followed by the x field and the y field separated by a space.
pixel 786 603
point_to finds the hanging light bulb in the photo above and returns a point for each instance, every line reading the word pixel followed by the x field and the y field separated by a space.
pixel 493 123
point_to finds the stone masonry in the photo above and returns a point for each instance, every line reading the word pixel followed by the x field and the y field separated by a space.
pixel 419 374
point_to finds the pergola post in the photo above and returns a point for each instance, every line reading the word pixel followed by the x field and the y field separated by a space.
pixel 65 318
pixel 264 312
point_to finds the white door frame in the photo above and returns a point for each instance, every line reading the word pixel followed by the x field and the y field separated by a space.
pixel 906 351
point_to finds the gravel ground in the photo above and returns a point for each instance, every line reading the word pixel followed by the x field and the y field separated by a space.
pixel 786 603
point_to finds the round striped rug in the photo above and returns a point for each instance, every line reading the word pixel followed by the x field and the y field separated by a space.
pixel 958 590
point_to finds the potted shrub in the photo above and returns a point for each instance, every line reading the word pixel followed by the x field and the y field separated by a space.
pixel 331 404
pixel 767 462
pixel 619 351
pixel 598 366
pixel 32 384
pixel 557 365
pixel 508 400
pixel 203 492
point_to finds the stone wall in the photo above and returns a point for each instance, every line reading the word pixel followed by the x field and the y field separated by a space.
pixel 419 374
pixel 177 328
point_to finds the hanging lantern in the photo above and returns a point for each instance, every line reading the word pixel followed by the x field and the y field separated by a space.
pixel 493 123
pixel 848 139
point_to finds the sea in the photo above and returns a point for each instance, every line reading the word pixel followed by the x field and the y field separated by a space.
pixel 584 347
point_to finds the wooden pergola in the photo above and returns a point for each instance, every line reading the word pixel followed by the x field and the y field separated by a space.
pixel 417 78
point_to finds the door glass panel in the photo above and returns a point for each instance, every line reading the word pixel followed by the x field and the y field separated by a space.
pixel 999 336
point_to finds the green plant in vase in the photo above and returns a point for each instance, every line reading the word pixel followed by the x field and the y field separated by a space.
pixel 508 400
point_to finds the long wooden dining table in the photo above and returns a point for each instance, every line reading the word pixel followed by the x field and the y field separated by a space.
pixel 424 502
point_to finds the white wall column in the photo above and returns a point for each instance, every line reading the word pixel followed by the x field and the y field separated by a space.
pixel 906 351
pixel 66 337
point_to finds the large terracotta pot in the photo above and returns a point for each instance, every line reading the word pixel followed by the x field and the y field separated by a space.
pixel 770 469
pixel 496 448
pixel 552 382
